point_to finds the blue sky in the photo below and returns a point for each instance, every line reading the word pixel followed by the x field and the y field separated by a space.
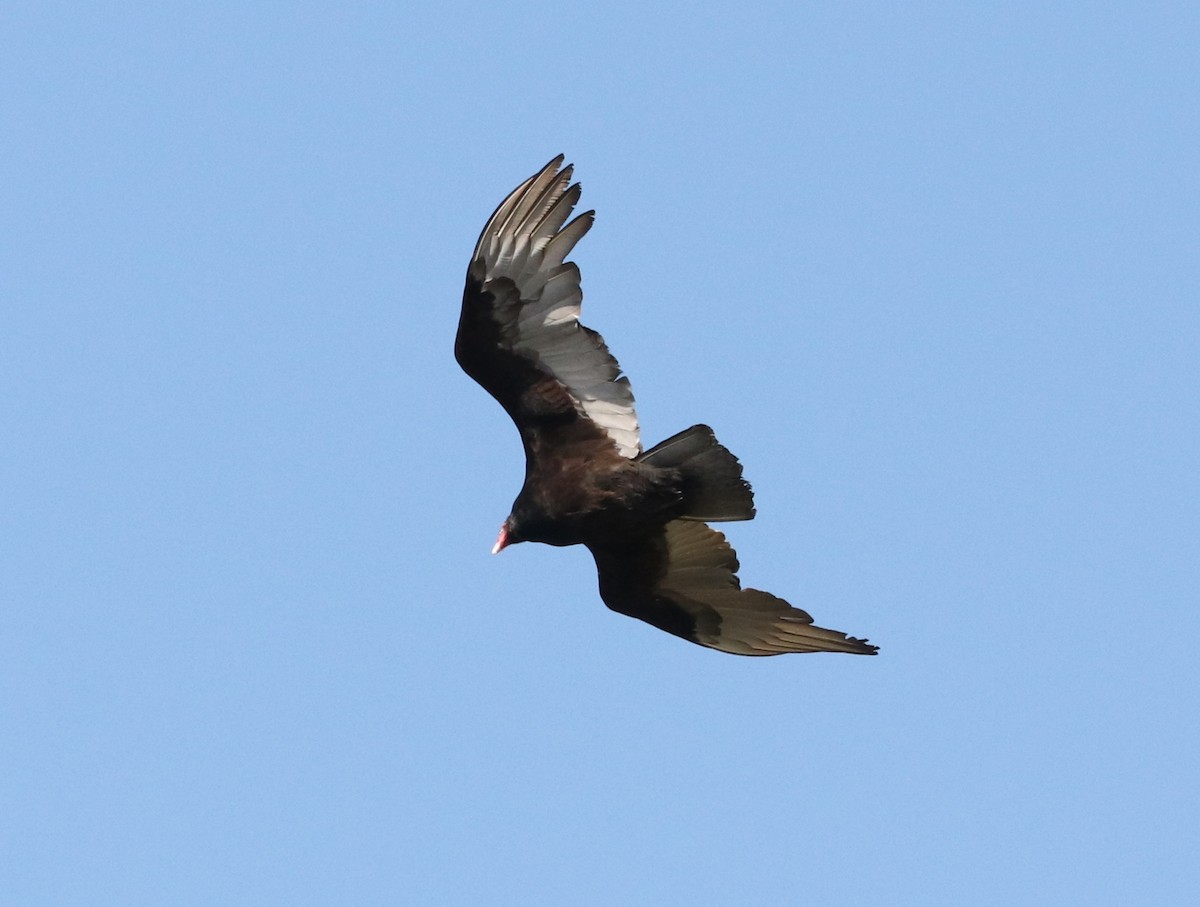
pixel 929 269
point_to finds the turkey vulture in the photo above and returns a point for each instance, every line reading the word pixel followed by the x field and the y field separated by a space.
pixel 642 514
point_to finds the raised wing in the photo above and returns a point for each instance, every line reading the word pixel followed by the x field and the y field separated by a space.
pixel 519 335
pixel 684 581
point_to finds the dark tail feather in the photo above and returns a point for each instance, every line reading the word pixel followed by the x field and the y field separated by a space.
pixel 713 487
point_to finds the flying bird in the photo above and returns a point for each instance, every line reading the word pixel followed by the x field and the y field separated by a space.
pixel 641 513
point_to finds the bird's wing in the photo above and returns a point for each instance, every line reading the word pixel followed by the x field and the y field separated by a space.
pixel 684 580
pixel 519 335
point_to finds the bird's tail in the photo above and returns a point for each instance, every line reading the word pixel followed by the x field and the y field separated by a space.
pixel 713 487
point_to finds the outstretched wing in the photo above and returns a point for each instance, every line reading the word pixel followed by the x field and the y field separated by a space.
pixel 684 580
pixel 519 335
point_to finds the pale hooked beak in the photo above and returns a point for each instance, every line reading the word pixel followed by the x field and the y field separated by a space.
pixel 501 540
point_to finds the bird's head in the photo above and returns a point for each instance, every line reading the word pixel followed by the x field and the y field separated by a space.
pixel 526 523
pixel 508 534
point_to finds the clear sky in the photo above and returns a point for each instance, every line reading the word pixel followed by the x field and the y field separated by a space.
pixel 932 270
